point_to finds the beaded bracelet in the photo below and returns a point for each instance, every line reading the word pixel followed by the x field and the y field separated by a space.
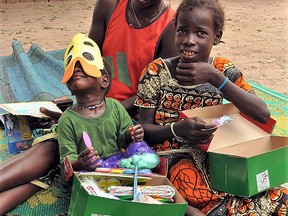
pixel 223 84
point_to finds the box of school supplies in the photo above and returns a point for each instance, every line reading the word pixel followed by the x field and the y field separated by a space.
pixel 14 117
pixel 244 158
pixel 116 195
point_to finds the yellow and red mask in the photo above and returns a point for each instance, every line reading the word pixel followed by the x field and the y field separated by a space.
pixel 86 51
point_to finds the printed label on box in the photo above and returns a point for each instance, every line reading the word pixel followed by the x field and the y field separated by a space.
pixel 263 181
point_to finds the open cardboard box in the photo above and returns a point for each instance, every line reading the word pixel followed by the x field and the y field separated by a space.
pixel 244 158
pixel 82 203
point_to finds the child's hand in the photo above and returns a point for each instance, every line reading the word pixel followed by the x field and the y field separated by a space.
pixel 87 159
pixel 53 115
pixel 194 73
pixel 195 129
pixel 136 133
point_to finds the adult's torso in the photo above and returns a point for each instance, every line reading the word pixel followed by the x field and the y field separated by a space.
pixel 129 49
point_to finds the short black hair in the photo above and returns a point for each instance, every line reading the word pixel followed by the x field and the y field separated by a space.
pixel 213 6
pixel 107 70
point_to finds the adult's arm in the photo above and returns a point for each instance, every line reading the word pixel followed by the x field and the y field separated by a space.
pixel 129 105
pixel 188 128
pixel 166 46
pixel 101 15
pixel 247 102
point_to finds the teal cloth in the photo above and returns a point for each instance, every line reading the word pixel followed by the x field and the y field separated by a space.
pixel 32 76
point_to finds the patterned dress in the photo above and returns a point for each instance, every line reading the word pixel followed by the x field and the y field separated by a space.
pixel 189 172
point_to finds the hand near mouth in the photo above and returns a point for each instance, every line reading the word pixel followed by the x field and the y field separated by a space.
pixel 194 73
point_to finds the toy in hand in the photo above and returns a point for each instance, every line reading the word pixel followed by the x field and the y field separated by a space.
pixel 87 139
pixel 141 154
pixel 223 120
pixel 137 153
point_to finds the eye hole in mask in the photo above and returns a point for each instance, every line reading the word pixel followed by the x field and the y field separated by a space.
pixel 88 43
pixel 68 60
pixel 88 56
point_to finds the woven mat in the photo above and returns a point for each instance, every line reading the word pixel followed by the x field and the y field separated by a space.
pixel 43 203
pixel 278 106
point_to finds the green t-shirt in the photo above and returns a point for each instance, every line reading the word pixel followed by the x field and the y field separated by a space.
pixel 106 132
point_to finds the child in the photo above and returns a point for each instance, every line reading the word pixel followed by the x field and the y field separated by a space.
pixel 196 79
pixel 104 119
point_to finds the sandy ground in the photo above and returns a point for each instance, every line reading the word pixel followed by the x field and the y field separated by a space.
pixel 255 34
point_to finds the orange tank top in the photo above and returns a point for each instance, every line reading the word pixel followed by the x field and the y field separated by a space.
pixel 129 49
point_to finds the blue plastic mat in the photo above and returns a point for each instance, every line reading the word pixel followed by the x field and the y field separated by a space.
pixel 32 76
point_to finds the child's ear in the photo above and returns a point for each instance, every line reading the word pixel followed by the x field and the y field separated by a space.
pixel 105 81
pixel 217 38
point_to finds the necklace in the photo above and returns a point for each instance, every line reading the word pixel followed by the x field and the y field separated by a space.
pixel 135 16
pixel 91 107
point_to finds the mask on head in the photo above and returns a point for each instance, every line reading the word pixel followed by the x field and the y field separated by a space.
pixel 86 51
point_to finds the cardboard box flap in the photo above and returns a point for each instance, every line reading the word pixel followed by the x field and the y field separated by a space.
pixel 210 112
pixel 255 147
pixel 239 130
